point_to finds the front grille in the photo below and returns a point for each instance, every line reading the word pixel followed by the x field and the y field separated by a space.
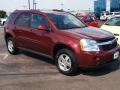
pixel 106 40
pixel 108 45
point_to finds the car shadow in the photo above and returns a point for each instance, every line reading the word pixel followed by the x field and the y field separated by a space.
pixel 38 57
pixel 109 68
pixel 90 72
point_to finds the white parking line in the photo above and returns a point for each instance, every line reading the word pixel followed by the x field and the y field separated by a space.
pixel 4 56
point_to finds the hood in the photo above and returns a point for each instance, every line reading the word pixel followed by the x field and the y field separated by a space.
pixel 89 32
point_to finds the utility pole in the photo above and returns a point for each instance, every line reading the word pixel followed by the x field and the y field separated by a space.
pixel 24 7
pixel 89 10
pixel 29 4
pixel 33 4
pixel 62 6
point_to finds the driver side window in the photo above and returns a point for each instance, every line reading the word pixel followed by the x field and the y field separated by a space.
pixel 37 20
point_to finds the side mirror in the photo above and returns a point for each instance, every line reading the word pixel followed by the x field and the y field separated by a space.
pixel 42 27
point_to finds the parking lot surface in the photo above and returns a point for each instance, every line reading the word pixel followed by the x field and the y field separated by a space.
pixel 28 71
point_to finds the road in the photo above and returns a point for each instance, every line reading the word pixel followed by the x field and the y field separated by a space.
pixel 28 71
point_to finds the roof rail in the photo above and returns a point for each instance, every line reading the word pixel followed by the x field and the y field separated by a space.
pixel 58 10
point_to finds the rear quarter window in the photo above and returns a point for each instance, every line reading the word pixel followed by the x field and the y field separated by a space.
pixel 23 20
pixel 11 18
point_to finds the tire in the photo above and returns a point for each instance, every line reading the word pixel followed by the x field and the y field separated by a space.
pixel 66 62
pixel 3 23
pixel 11 46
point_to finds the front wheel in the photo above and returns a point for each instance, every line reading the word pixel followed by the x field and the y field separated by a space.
pixel 66 62
pixel 11 47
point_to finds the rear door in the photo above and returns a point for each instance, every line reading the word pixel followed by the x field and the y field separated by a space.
pixel 22 30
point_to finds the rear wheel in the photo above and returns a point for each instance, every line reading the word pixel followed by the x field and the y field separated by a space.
pixel 11 47
pixel 3 23
pixel 66 62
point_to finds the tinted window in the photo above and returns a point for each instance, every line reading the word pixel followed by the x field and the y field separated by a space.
pixel 111 13
pixel 117 13
pixel 66 21
pixel 114 22
pixel 107 14
pixel 38 20
pixel 23 20
pixel 90 19
pixel 11 18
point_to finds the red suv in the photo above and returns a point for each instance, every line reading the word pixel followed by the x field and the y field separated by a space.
pixel 89 19
pixel 61 36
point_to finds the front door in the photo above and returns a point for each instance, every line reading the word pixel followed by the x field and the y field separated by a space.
pixel 42 40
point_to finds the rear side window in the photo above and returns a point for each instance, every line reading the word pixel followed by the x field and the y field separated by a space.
pixel 90 18
pixel 23 20
pixel 11 18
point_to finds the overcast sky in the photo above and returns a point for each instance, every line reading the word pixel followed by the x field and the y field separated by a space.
pixel 11 5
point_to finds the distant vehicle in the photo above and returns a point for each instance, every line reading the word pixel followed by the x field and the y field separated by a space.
pixel 104 16
pixel 89 19
pixel 2 21
pixel 97 15
pixel 112 14
pixel 113 25
pixel 61 36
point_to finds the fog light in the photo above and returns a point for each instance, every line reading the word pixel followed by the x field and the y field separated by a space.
pixel 97 58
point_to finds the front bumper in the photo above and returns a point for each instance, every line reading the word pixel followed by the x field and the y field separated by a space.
pixel 95 59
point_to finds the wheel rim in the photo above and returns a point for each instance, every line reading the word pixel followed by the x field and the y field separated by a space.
pixel 64 62
pixel 10 46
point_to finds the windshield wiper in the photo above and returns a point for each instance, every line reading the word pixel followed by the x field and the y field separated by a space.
pixel 84 26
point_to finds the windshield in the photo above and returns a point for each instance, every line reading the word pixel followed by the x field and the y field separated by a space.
pixel 113 22
pixel 66 21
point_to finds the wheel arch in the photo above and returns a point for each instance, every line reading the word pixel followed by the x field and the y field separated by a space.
pixel 61 46
pixel 7 35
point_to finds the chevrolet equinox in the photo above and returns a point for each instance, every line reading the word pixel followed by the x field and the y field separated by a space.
pixel 61 36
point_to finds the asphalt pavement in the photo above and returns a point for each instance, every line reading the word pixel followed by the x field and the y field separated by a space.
pixel 28 71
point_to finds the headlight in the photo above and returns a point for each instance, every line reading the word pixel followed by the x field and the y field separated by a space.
pixel 89 45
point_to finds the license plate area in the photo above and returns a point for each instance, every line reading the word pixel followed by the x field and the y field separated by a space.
pixel 116 55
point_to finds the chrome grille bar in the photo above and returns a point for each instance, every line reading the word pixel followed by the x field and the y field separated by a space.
pixel 108 42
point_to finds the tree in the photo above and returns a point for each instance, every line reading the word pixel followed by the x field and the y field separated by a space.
pixel 3 14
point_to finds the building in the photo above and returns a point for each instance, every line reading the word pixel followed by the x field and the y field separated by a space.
pixel 114 5
pixel 96 6
pixel 99 5
pixel 106 5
